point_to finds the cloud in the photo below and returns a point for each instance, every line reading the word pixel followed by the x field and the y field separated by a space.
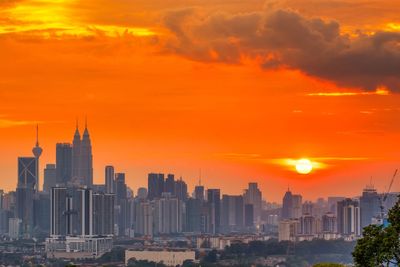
pixel 286 39
pixel 7 123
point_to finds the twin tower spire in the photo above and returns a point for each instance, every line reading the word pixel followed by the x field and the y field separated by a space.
pixel 82 158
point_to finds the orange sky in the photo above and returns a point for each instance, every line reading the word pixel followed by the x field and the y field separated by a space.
pixel 231 87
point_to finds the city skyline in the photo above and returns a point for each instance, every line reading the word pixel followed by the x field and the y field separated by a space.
pixel 74 172
pixel 240 90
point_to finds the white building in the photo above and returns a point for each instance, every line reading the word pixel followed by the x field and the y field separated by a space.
pixel 78 247
pixel 169 258
pixel 14 228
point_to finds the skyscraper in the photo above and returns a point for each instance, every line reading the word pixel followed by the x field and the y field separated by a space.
pixel 287 206
pixel 168 215
pixel 109 179
pixel 155 185
pixel 369 205
pixel 170 184
pixel 232 214
pixel 199 192
pixel 37 152
pixel 50 175
pixel 86 162
pixel 348 217
pixel 82 158
pixel 297 201
pixel 63 163
pixel 26 188
pixel 76 154
pixel 214 203
pixel 253 196
pixel 58 211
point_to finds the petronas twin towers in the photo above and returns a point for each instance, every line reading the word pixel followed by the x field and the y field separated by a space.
pixel 82 158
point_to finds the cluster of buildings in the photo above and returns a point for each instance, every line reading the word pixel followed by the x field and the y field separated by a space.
pixel 338 217
pixel 79 219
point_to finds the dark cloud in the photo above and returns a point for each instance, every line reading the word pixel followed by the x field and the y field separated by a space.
pixel 284 38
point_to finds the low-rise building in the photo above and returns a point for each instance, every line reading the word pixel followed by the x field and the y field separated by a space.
pixel 167 257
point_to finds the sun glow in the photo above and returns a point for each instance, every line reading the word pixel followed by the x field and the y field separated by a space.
pixel 56 18
pixel 304 166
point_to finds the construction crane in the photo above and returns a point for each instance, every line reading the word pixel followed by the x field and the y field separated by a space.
pixel 384 197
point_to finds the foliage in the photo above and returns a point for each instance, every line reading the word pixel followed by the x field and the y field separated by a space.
pixel 380 246
pixel 328 265
pixel 117 254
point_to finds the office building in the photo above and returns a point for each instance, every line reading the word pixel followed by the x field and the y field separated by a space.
pixel 50 177
pixel 155 185
pixel 369 206
pixel 63 163
pixel 287 206
pixel 252 195
pixel 232 218
pixel 82 158
pixel 109 179
pixel 348 218
pixel 214 203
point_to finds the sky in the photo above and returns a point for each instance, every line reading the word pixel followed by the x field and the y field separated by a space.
pixel 229 91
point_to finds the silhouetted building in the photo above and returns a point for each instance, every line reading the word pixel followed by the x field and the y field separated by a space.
pixel 329 223
pixel 109 180
pixel 170 184
pixel 63 163
pixel 232 218
pixel 82 159
pixel 199 192
pixel 348 217
pixel 181 190
pixel 50 176
pixel 193 215
pixel 25 192
pixel 122 203
pixel 249 215
pixel 214 202
pixel 168 215
pixel 252 195
pixel 287 206
pixel 369 206
pixel 155 185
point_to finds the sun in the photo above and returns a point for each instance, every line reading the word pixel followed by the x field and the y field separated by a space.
pixel 304 166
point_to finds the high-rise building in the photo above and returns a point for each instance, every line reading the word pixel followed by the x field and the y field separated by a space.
pixel 181 191
pixel 288 229
pixel 199 192
pixel 76 154
pixel 144 218
pixel 297 201
pixel 348 217
pixel 86 163
pixel 253 196
pixel 122 213
pixel 50 175
pixel 109 179
pixel 103 214
pixel 193 215
pixel 329 223
pixel 170 184
pixel 332 204
pixel 287 206
pixel 25 192
pixel 63 163
pixel 308 208
pixel 369 205
pixel 142 193
pixel 307 225
pixel 155 185
pixel 249 215
pixel 41 212
pixel 37 152
pixel 214 203
pixel 59 209
pixel 82 158
pixel 232 214
pixel 168 215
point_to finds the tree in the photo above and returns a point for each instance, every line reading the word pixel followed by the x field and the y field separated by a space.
pixel 380 246
pixel 328 265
